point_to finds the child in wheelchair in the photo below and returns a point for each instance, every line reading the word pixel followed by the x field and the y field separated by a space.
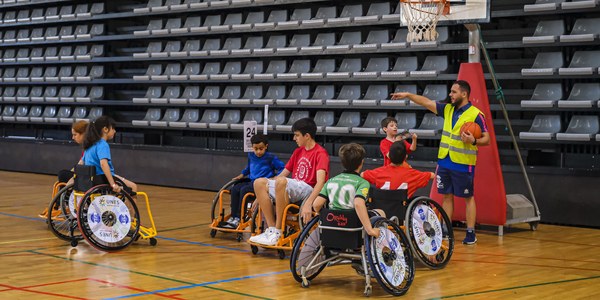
pixel 395 175
pixel 97 154
pixel 260 164
pixel 348 190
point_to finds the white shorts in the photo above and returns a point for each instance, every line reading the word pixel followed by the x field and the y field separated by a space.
pixel 297 190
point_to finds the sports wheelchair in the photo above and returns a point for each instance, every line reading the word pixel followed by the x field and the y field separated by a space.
pixel 219 215
pixel 290 226
pixel 107 220
pixel 337 237
pixel 425 222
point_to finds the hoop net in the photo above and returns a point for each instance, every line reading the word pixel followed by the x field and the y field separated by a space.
pixel 421 17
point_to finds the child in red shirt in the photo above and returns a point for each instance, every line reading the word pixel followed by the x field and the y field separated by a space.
pixel 395 176
pixel 389 125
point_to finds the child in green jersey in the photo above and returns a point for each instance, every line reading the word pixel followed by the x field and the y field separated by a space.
pixel 348 190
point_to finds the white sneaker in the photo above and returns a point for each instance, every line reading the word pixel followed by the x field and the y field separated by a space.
pixel 232 223
pixel 269 238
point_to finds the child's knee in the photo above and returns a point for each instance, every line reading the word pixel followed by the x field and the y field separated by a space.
pixel 260 184
pixel 281 182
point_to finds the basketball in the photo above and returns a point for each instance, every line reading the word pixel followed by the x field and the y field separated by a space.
pixel 471 127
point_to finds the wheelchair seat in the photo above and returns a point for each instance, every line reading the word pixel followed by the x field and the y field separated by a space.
pixel 340 229
pixel 393 202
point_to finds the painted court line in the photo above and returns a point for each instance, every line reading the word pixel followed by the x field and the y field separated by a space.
pixel 204 284
pixel 22 217
pixel 143 274
pixel 29 240
pixel 132 288
pixel 202 244
pixel 517 287
pixel 38 292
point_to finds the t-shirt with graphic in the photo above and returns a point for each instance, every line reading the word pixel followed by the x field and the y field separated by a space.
pixel 397 177
pixel 97 152
pixel 304 164
pixel 385 146
pixel 342 189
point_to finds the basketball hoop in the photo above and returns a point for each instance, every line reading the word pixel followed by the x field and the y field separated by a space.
pixel 421 18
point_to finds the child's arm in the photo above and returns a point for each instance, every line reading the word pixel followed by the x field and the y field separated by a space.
pixel 106 169
pixel 307 207
pixel 413 145
pixel 319 203
pixel 363 215
pixel 238 177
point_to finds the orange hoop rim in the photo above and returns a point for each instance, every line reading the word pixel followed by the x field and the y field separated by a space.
pixel 445 11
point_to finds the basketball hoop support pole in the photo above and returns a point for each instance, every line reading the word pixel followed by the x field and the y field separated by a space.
pixel 474 42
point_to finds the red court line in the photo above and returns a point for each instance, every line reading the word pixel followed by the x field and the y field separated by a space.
pixel 43 293
pixel 135 289
pixel 53 283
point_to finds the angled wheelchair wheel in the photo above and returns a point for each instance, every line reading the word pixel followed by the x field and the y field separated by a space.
pixel 430 232
pixel 307 252
pixel 214 212
pixel 62 220
pixel 390 257
pixel 108 221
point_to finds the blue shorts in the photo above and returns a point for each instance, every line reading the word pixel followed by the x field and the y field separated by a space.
pixel 457 183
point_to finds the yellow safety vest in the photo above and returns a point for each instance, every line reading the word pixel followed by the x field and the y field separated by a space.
pixel 460 153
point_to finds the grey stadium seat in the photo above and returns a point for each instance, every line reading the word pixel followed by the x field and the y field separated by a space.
pixel 375 66
pixel 544 127
pixel 274 42
pixel 276 117
pixel 153 70
pixel 64 114
pixel 347 121
pixel 298 67
pixel 322 67
pixel 251 19
pixel 209 92
pixel 189 47
pixel 322 40
pixel 320 95
pixel 545 95
pixel 297 41
pixel 252 92
pixel 152 114
pixel 410 88
pixel 210 69
pixel 295 116
pixel 8 113
pixel 297 92
pixel 374 41
pixel 374 14
pixel 50 114
pixel 21 113
pixel 252 42
pixel 432 67
pixel 347 15
pixel 151 92
pixel 230 92
pixel 274 67
pixel 406 121
pixel 347 94
pixel 582 63
pixel 583 95
pixel 398 42
pixel 546 32
pixel 274 18
pixel 231 67
pixel 431 126
pixel 189 71
pixel 252 68
pixel 374 94
pixel 229 44
pixel 581 128
pixel 209 116
pixel 402 67
pixel 230 19
pixel 546 63
pixel 171 92
pixel 347 68
pixel 348 40
pixel 324 119
pixel 584 30
pixel 372 124
pixel 296 18
pixel 250 115
pixel 190 92
pixel 542 5
pixel 34 112
pixel 273 93
pixel 323 13
pixel 580 4
pixel 171 115
pixel 230 116
pixel 190 115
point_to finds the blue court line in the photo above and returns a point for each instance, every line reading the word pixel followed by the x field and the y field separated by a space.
pixel 200 285
pixel 23 217
pixel 202 244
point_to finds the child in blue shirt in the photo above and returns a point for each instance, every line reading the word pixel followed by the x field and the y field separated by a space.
pixel 260 164
pixel 97 153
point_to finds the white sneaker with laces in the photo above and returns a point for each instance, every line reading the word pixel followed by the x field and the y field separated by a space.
pixel 269 238
pixel 260 237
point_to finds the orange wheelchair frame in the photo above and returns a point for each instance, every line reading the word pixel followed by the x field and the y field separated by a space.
pixel 219 216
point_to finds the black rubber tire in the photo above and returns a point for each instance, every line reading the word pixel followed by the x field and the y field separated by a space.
pixel 153 242
pixel 254 249
pixel 441 258
pixel 299 245
pixel 87 231
pixel 213 233
pixel 63 228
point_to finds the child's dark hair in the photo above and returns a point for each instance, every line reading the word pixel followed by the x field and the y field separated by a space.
pixel 352 156
pixel 387 120
pixel 94 130
pixel 397 153
pixel 464 86
pixel 305 125
pixel 259 138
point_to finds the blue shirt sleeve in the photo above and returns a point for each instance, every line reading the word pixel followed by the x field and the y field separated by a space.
pixel 103 151
pixel 480 120
pixel 440 108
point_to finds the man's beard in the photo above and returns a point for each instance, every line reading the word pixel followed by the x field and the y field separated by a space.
pixel 457 102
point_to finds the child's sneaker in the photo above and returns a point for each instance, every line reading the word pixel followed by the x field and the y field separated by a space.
pixel 470 238
pixel 232 223
pixel 267 238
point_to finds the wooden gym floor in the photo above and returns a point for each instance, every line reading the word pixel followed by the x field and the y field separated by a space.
pixel 552 263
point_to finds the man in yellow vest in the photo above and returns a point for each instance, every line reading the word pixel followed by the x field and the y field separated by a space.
pixel 457 154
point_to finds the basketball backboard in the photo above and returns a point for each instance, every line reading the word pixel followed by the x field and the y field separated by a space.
pixel 461 12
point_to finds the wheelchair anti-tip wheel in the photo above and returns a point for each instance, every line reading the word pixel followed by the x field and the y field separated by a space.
pixel 108 221
pixel 430 232
pixel 306 252
pixel 62 217
pixel 390 257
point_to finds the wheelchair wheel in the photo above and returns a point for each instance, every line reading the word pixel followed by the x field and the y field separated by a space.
pixel 430 232
pixel 257 226
pixel 109 221
pixel 214 213
pixel 390 257
pixel 305 250
pixel 63 224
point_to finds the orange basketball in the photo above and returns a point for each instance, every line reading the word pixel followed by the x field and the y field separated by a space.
pixel 473 128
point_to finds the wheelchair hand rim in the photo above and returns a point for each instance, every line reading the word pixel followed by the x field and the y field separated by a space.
pixel 391 263
pixel 427 230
